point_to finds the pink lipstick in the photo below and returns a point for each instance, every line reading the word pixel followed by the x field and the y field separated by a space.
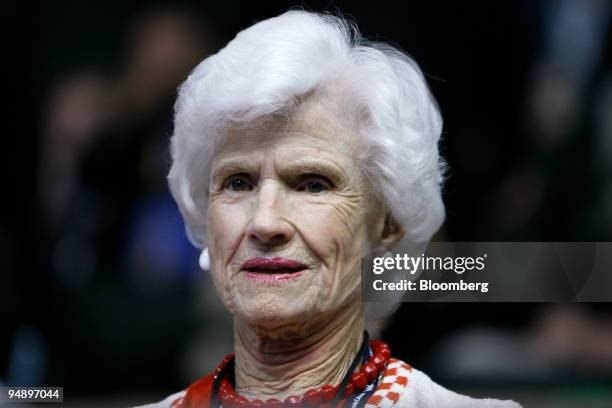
pixel 272 269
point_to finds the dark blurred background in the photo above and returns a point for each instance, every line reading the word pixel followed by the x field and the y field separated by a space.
pixel 101 293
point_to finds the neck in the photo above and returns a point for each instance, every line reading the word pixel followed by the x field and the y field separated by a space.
pixel 292 360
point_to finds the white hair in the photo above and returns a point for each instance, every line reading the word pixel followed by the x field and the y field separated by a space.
pixel 269 67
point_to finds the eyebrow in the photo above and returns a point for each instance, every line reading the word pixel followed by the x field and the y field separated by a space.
pixel 231 166
pixel 292 170
pixel 302 167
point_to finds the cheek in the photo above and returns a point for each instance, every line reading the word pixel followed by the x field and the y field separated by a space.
pixel 226 226
pixel 339 223
pixel 335 230
pixel 348 208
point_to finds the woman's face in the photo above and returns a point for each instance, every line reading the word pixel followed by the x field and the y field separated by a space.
pixel 289 218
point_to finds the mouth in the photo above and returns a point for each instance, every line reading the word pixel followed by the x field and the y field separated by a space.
pixel 273 266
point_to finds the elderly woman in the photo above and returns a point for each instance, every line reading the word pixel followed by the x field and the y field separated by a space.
pixel 298 149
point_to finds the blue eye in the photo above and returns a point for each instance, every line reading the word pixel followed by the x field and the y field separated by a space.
pixel 315 185
pixel 238 183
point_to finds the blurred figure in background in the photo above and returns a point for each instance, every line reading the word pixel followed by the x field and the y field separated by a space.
pixel 556 189
pixel 117 237
pixel 88 112
pixel 77 109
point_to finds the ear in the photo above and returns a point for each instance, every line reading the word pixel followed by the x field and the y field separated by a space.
pixel 392 231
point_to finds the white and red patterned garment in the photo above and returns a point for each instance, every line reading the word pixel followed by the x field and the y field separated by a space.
pixel 400 386
pixel 404 386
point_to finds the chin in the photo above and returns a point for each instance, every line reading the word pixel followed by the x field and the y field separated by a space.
pixel 274 311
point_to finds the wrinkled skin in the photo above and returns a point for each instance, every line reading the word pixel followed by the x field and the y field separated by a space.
pixel 290 188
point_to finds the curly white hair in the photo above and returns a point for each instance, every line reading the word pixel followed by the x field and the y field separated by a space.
pixel 270 67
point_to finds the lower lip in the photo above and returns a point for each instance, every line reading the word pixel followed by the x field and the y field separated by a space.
pixel 272 277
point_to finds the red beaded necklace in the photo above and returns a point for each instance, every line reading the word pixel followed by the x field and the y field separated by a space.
pixel 358 380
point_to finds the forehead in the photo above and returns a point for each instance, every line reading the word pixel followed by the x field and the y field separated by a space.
pixel 316 124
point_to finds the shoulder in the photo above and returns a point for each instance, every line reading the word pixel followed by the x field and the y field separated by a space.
pixel 404 386
pixel 196 395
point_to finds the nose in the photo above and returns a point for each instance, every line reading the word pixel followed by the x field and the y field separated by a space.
pixel 269 224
